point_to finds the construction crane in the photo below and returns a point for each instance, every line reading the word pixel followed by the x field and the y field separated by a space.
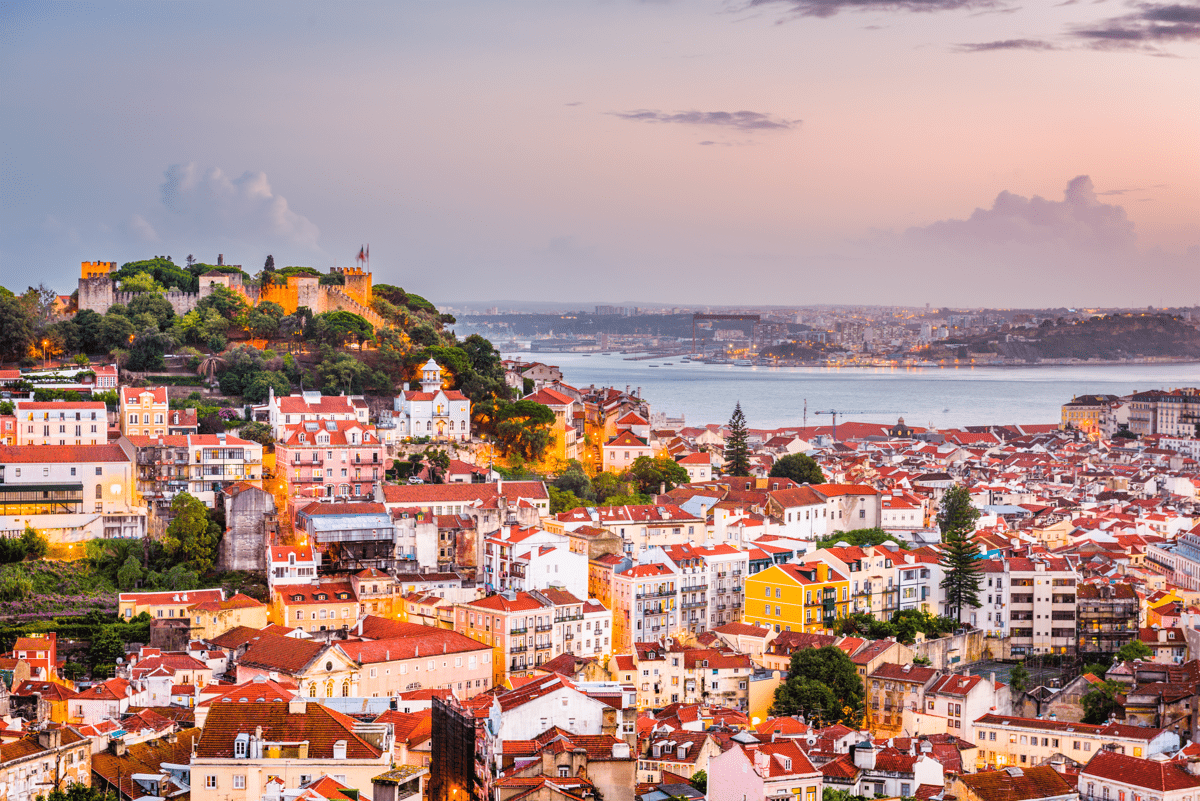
pixel 836 412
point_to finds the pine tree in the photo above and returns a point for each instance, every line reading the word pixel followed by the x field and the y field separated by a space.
pixel 737 451
pixel 960 555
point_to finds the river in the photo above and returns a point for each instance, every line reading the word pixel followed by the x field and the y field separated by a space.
pixel 774 397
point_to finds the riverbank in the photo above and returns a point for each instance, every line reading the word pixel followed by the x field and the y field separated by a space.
pixel 934 396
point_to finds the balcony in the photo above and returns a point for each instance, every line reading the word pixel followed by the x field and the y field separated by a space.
pixel 543 627
pixel 656 594
pixel 567 618
pixel 693 604
pixel 518 649
pixel 521 630
pixel 694 588
pixel 569 635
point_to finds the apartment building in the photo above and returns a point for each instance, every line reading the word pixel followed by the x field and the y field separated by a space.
pixel 1031 600
pixel 143 412
pixel 528 629
pixel 407 657
pixel 60 422
pixel 70 493
pixel 311 407
pixel 893 689
pixel 38 763
pixel 727 570
pixel 328 459
pixel 646 602
pixel 804 597
pixel 1108 616
pixel 692 570
pixel 246 748
pixel 198 464
pixel 1013 741
pixel 764 770
pixel 641 527
pixel 872 575
pixel 1111 775
pixel 1175 413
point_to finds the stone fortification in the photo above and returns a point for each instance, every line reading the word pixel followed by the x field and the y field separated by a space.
pixel 97 291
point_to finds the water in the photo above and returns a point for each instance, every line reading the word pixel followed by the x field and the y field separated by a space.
pixel 773 397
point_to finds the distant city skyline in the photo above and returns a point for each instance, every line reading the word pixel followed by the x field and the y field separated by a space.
pixel 962 153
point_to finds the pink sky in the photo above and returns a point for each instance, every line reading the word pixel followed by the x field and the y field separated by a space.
pixel 595 150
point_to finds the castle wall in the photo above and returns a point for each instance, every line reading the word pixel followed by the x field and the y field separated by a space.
pixel 334 299
pixel 96 293
pixel 181 302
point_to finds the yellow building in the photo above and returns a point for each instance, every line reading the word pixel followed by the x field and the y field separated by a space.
pixel 806 597
pixel 1085 412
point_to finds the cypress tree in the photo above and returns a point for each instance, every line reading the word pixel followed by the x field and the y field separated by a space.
pixel 737 451
pixel 960 555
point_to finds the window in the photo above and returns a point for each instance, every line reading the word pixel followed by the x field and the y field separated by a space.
pixel 239 782
pixel 210 782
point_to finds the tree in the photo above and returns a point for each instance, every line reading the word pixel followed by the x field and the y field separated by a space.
pixel 209 366
pixel 339 327
pixel 18 328
pixel 699 781
pixel 1134 649
pixel 438 462
pixel 191 537
pixel 800 468
pixel 147 350
pixel 116 331
pixel 563 500
pixel 154 305
pixel 1100 704
pixel 106 647
pixel 1018 679
pixel 33 543
pixel 521 428
pixel 859 537
pixel 257 432
pixel 737 451
pixel 824 685
pixel 960 554
pixel 652 474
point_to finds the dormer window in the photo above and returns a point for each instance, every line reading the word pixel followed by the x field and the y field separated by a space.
pixel 297 598
pixel 241 746
pixel 320 596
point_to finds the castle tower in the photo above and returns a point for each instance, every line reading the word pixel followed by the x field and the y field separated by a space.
pixel 357 284
pixel 96 285
pixel 431 376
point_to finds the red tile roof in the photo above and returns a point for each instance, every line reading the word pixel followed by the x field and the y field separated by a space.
pixel 1021 784
pixel 61 454
pixel 284 654
pixel 317 724
pixel 1159 777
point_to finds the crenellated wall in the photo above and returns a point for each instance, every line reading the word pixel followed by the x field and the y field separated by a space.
pixel 99 294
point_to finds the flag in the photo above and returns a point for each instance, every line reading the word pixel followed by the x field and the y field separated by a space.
pixel 368 253
pixel 362 255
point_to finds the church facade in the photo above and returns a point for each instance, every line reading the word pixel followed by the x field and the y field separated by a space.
pixel 431 411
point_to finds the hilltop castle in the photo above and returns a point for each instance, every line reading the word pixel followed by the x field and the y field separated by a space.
pixel 98 291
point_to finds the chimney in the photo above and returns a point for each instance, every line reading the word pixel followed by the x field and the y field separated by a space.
pixel 297 706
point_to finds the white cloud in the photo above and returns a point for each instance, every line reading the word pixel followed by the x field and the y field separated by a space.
pixel 1079 222
pixel 141 229
pixel 207 204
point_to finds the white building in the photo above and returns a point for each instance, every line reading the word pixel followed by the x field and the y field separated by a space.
pixel 311 407
pixel 61 422
pixel 1113 775
pixel 1030 600
pixel 431 411
pixel 70 493
pixel 292 564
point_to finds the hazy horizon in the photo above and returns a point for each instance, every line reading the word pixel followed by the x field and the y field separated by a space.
pixel 962 153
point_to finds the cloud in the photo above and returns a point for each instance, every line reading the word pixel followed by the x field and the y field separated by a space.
pixel 1079 222
pixel 208 204
pixel 1151 24
pixel 141 229
pixel 828 8
pixel 1005 44
pixel 741 120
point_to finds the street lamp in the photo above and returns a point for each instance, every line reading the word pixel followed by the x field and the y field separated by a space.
pixel 45 344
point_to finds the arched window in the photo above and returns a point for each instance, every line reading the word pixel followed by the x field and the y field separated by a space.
pixel 346 688
pixel 329 685
pixel 312 690
pixel 428 425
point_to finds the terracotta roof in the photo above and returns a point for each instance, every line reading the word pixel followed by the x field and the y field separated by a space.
pixel 61 454
pixel 285 654
pixel 908 672
pixel 426 494
pixel 317 724
pixel 1156 776
pixel 432 642
pixel 1017 784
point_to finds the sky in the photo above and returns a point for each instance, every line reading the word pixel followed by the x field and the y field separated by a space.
pixel 981 153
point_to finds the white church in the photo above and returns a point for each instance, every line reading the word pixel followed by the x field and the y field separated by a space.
pixel 431 411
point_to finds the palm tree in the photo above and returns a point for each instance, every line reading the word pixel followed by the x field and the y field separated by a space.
pixel 209 366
